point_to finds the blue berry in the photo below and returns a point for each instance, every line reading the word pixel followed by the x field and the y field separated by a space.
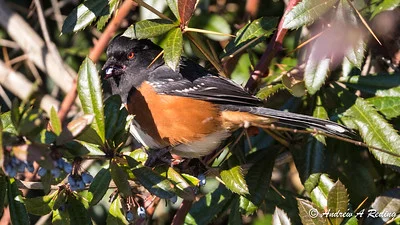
pixel 60 163
pixel 174 199
pixel 87 178
pixel 71 181
pixel 56 172
pixel 129 216
pixel 141 212
pixel 202 179
pixel 81 185
pixel 10 170
pixel 42 171
pixel 68 167
pixel 21 167
pixel 30 167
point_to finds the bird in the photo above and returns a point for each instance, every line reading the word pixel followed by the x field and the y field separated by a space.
pixel 190 109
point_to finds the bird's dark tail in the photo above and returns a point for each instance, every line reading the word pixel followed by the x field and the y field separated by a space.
pixel 296 121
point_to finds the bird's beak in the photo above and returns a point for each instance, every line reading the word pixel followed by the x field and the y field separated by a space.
pixel 112 68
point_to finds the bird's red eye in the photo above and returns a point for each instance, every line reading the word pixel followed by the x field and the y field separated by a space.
pixel 131 55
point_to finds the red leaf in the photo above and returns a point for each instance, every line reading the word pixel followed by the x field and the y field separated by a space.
pixel 186 9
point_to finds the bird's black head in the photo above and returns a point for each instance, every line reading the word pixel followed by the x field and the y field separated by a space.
pixel 128 62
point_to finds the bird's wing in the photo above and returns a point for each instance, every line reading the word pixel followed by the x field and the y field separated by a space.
pixel 196 82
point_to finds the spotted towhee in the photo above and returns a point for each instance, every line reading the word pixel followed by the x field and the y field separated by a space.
pixel 190 110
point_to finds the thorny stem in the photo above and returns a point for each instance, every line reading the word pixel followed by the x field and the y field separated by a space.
pixel 261 69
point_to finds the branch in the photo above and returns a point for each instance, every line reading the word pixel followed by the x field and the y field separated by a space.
pixel 35 48
pixel 21 87
pixel 261 69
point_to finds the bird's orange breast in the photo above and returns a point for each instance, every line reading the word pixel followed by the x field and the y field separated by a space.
pixel 173 120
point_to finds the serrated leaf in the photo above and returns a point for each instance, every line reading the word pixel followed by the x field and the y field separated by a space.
pixel 3 193
pixel 6 120
pixel 319 186
pixel 259 175
pixel 268 91
pixel 182 187
pixel 233 177
pixel 186 9
pixel 246 206
pixel 376 131
pixel 77 212
pixel 262 27
pixel 154 183
pixel 91 96
pixel 74 128
pixel 149 28
pixel 40 205
pixel 209 206
pixel 173 6
pixel 315 72
pixel 108 11
pixel 84 15
pixel 388 203
pixel 280 217
pixel 173 48
pixel 115 215
pixel 235 217
pixel 18 213
pixel 310 214
pixel 306 12
pixel 60 217
pixel 99 185
pixel 120 178
pixel 385 5
pixel 55 121
pixel 388 106
pixel 355 54
pixel 337 201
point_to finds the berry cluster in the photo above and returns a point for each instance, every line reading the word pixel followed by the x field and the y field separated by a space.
pixel 78 182
pixel 15 166
pixel 59 166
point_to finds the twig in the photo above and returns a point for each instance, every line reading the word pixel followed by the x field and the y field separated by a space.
pixel 42 23
pixel 33 46
pixel 183 210
pixel 261 69
pixel 22 87
pixel 57 13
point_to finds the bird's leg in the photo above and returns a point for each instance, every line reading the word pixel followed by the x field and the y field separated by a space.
pixel 159 156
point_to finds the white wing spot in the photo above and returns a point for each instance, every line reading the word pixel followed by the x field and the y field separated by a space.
pixel 336 128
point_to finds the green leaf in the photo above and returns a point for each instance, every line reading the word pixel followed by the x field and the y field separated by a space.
pixel 186 9
pixel 108 11
pixel 55 121
pixel 91 95
pixel 355 54
pixel 376 131
pixel 319 185
pixel 120 178
pixel 173 5
pixel 233 177
pixel 116 121
pixel 280 217
pixel 235 217
pixel 306 12
pixel 6 120
pixel 77 211
pixel 337 201
pixel 388 106
pixel 1 161
pixel 380 81
pixel 115 215
pixel 74 128
pixel 315 72
pixel 84 15
pixel 149 28
pixel 266 92
pixel 182 187
pixel 40 205
pixel 154 183
pixel 60 199
pixel 173 48
pixel 18 213
pixel 60 217
pixel 31 122
pixel 246 206
pixel 310 214
pixel 15 113
pixel 99 185
pixel 209 206
pixel 3 193
pixel 388 203
pixel 262 27
pixel 385 5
